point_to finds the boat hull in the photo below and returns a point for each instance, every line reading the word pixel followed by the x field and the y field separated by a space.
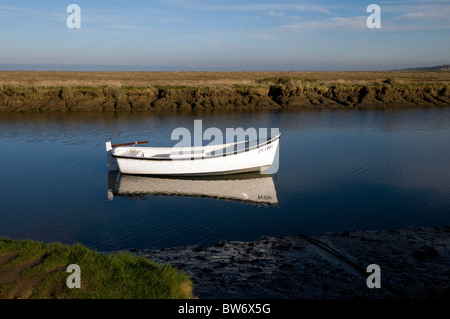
pixel 256 159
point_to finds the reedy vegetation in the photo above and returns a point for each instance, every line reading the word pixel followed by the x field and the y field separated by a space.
pixel 150 91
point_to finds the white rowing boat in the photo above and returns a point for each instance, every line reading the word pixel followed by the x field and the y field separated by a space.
pixel 231 158
pixel 251 188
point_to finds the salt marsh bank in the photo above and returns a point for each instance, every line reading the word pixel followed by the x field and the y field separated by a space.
pixel 218 91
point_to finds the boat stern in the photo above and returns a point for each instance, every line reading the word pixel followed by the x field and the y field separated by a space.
pixel 111 162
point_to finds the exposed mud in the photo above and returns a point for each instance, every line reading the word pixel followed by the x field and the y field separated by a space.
pixel 22 288
pixel 414 263
pixel 275 97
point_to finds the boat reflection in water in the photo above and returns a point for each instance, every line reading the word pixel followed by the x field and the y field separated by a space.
pixel 253 188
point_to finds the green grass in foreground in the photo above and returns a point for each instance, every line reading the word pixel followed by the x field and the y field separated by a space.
pixel 37 270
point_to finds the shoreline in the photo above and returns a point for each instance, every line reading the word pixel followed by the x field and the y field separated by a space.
pixel 414 264
pixel 22 91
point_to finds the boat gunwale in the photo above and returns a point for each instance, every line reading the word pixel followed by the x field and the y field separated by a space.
pixel 187 158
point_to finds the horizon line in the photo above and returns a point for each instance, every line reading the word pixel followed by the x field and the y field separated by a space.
pixel 56 67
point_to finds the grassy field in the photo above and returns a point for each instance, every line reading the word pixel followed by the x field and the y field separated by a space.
pixel 187 91
pixel 210 79
pixel 35 270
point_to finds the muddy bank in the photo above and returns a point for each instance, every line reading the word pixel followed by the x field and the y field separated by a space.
pixel 414 263
pixel 277 96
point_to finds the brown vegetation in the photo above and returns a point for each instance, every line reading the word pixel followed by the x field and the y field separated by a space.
pixel 154 91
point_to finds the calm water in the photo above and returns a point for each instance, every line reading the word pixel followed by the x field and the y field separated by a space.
pixel 339 170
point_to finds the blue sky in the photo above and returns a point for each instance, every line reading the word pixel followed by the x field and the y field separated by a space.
pixel 227 34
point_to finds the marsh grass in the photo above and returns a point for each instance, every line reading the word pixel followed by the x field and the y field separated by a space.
pixel 66 93
pixel 137 91
pixel 103 276
pixel 212 79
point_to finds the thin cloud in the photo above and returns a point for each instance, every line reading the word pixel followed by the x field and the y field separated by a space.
pixel 418 16
pixel 14 12
pixel 265 7
pixel 282 15
pixel 10 12
pixel 357 23
pixel 129 27
pixel 9 8
pixel 417 9
pixel 429 15
pixel 276 7
pixel 276 14
pixel 5 14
